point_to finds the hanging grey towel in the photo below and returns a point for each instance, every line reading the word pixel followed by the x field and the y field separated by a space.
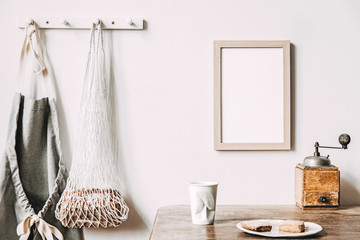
pixel 32 172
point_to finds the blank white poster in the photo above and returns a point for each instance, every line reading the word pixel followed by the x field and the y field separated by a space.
pixel 252 95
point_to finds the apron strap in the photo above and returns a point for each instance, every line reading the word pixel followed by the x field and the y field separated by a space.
pixel 32 56
pixel 45 230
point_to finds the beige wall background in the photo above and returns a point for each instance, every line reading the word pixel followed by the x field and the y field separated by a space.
pixel 164 93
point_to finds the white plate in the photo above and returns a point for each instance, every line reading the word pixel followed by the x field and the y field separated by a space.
pixel 310 229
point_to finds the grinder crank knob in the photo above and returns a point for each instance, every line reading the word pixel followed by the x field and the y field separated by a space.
pixel 344 140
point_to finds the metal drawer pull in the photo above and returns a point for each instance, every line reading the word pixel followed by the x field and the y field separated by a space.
pixel 323 199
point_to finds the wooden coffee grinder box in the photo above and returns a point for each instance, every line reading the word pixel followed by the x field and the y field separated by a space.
pixel 317 182
pixel 317 187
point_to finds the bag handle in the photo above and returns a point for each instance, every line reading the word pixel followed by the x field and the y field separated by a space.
pixel 94 74
pixel 32 56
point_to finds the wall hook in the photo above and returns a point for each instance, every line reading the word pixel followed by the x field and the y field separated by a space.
pixel 96 21
pixel 29 21
pixel 62 21
pixel 129 21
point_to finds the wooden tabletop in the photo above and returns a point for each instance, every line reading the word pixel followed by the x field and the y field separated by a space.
pixel 174 222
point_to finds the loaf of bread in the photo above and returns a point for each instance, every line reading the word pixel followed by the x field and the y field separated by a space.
pixel 258 226
pixel 292 226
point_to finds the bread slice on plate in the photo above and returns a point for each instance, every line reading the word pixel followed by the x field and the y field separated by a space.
pixel 258 226
pixel 292 226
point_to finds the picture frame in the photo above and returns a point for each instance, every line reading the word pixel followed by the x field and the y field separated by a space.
pixel 252 95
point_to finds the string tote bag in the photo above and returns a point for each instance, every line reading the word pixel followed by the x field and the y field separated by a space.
pixel 32 172
pixel 92 196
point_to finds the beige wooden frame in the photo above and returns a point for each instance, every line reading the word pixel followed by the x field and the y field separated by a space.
pixel 218 144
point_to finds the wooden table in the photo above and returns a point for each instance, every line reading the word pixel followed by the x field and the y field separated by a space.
pixel 174 222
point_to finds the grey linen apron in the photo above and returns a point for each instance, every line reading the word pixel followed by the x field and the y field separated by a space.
pixel 32 172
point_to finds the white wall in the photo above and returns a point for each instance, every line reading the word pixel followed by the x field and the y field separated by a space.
pixel 164 85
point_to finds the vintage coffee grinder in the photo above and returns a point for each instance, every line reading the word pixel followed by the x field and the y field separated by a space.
pixel 317 181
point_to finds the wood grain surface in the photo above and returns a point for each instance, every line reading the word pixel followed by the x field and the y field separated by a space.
pixel 174 222
pixel 314 183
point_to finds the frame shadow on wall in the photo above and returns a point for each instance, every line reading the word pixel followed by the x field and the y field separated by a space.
pixel 293 94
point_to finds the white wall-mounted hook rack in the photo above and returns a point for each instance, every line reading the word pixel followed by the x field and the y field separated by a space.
pixel 83 22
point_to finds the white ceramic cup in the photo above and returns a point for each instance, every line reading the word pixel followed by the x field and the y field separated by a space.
pixel 203 202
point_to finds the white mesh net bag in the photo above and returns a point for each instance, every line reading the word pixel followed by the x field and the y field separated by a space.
pixel 92 197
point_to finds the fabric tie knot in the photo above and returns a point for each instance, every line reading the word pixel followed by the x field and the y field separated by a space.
pixel 31 36
pixel 36 218
pixel 45 230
